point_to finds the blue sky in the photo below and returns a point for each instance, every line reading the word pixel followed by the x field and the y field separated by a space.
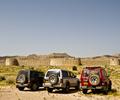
pixel 78 27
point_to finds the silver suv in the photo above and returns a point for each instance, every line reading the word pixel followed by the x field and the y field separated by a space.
pixel 60 79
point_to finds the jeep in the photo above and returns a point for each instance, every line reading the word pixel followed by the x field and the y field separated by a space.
pixel 60 79
pixel 95 79
pixel 29 78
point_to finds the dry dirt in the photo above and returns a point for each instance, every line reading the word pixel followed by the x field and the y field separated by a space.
pixel 11 93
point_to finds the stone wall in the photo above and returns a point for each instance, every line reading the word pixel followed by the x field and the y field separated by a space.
pixel 65 62
pixel 54 59
pixel 25 61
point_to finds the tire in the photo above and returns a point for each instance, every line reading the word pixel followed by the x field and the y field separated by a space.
pixel 84 91
pixel 21 78
pixel 106 90
pixel 94 79
pixel 49 90
pixel 110 86
pixel 67 88
pixel 94 91
pixel 53 79
pixel 34 87
pixel 78 86
pixel 21 88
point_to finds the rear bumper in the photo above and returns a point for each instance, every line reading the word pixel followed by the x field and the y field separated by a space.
pixel 92 87
pixel 48 85
pixel 21 85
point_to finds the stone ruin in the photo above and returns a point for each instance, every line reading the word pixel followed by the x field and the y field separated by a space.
pixel 114 61
pixel 11 61
pixel 54 59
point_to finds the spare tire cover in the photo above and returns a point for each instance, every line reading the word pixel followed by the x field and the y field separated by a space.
pixel 21 78
pixel 53 79
pixel 94 79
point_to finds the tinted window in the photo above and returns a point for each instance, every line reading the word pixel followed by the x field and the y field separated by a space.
pixel 34 74
pixel 65 73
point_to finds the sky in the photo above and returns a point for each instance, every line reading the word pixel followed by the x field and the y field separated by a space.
pixel 80 28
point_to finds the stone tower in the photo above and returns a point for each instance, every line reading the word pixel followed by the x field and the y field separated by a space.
pixel 114 61
pixel 11 61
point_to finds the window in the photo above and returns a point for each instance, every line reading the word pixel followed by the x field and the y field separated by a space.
pixel 65 73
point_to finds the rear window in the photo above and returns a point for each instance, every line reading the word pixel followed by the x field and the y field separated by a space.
pixel 52 72
pixel 23 72
pixel 36 74
pixel 87 72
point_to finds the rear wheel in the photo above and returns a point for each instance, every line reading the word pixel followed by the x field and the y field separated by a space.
pixel 34 87
pixel 49 90
pixel 67 87
pixel 110 86
pixel 78 86
pixel 84 91
pixel 21 88
pixel 106 90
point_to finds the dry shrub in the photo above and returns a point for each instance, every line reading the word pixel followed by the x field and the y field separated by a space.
pixel 2 78
pixel 10 80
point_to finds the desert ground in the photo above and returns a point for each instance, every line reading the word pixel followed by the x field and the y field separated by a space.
pixel 8 91
pixel 11 93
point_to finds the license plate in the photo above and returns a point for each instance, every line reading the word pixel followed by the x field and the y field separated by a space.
pixel 85 83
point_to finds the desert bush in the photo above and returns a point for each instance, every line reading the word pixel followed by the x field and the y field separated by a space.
pixel 10 80
pixel 2 78
pixel 74 68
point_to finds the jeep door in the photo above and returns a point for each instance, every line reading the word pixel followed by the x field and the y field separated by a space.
pixel 73 80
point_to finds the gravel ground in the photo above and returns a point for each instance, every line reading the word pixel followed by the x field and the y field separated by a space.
pixel 12 93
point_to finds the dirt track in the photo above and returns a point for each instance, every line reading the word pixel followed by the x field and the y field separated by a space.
pixel 11 93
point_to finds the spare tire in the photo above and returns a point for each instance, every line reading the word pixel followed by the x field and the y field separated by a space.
pixel 21 78
pixel 53 79
pixel 94 79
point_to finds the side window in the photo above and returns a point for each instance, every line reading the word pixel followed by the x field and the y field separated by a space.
pixel 65 73
pixel 34 74
pixel 71 74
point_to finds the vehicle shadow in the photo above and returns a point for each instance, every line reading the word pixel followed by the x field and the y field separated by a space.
pixel 29 90
pixel 113 91
pixel 62 92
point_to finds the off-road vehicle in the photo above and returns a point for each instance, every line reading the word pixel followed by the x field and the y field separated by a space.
pixel 96 79
pixel 60 79
pixel 29 78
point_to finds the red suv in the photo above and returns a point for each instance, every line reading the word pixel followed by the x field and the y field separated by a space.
pixel 95 79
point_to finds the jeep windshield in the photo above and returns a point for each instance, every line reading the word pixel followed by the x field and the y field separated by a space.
pixel 53 72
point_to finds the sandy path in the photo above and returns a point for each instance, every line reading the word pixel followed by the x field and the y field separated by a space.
pixel 11 93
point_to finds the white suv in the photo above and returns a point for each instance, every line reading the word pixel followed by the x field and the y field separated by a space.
pixel 60 79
